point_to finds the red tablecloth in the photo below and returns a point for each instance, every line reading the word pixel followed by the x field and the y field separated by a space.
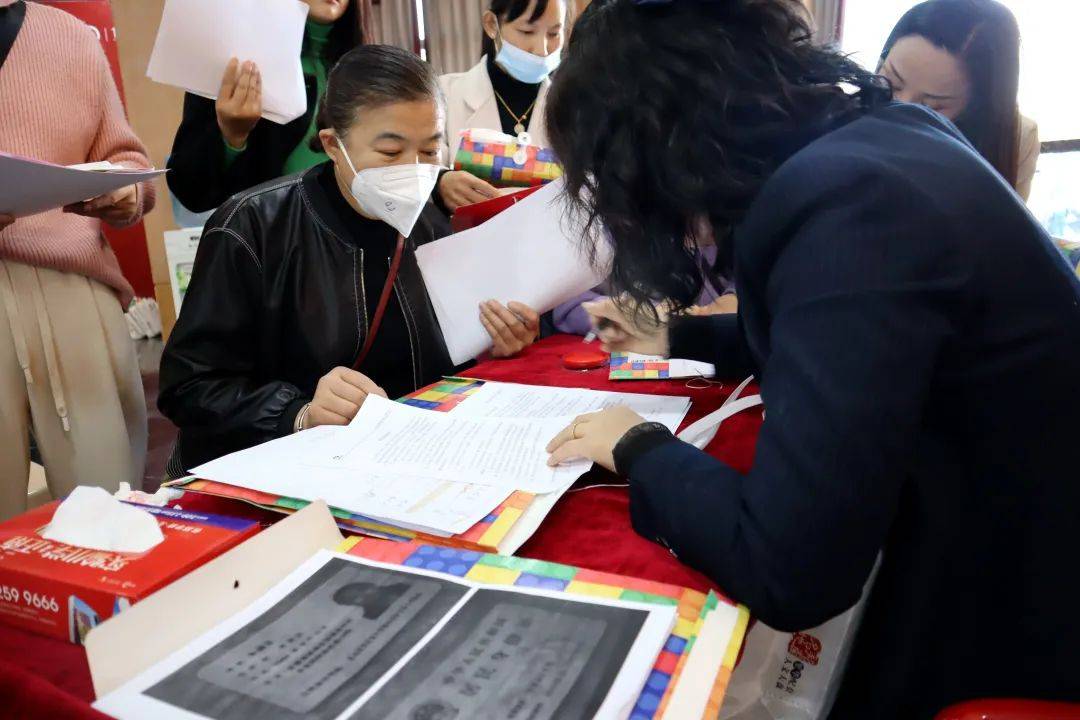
pixel 45 678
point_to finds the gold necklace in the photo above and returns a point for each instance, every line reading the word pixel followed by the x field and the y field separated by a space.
pixel 520 127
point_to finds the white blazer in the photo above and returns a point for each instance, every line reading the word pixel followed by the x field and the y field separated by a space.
pixel 471 103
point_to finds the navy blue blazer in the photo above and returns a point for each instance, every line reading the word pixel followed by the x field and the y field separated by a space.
pixel 917 340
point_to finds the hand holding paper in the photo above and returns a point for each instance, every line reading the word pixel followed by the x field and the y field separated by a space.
pixel 531 252
pixel 459 188
pixel 439 473
pixel 118 208
pixel 338 398
pixel 239 102
pixel 198 39
pixel 29 187
pixel 512 327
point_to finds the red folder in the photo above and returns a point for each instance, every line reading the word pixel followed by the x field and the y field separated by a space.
pixel 469 216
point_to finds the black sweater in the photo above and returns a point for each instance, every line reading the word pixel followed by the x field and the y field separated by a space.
pixel 198 175
pixel 917 340
pixel 518 95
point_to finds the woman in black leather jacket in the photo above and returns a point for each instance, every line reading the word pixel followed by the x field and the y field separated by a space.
pixel 287 283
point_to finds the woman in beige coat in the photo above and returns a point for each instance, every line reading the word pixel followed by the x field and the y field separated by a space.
pixel 506 91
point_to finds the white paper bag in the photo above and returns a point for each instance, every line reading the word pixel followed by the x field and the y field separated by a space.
pixel 793 676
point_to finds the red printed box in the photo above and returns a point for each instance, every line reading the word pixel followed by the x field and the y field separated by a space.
pixel 63 591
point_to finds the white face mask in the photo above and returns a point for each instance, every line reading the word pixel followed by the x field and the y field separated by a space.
pixel 523 66
pixel 395 194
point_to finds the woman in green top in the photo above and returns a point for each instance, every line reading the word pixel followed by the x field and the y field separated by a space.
pixel 222 147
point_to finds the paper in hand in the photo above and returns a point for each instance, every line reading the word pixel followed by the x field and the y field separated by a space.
pixel 197 38
pixel 531 252
pixel 29 187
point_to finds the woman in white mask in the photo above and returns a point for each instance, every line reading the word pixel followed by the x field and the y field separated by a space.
pixel 506 90
pixel 306 296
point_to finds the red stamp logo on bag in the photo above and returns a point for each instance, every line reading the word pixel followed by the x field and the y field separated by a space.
pixel 805 647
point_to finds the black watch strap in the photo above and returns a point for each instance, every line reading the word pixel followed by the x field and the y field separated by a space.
pixel 637 441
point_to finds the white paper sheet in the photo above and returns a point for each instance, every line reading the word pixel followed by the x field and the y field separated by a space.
pixel 29 187
pixel 391 440
pixel 291 467
pixel 530 252
pixel 133 699
pixel 513 400
pixel 197 38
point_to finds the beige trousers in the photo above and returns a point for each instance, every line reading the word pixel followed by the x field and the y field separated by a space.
pixel 68 371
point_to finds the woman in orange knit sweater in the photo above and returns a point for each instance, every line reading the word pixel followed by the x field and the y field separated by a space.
pixel 68 371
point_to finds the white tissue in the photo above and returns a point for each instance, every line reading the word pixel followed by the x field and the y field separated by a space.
pixel 92 518
pixel 143 319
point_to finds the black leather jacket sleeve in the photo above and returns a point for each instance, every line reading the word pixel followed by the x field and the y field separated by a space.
pixel 209 370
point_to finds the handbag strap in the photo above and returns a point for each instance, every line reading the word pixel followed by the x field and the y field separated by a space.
pixel 11 21
pixel 384 300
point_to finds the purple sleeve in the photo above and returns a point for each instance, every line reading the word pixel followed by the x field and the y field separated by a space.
pixel 709 292
pixel 571 318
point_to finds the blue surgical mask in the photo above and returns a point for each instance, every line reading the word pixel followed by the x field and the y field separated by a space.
pixel 523 65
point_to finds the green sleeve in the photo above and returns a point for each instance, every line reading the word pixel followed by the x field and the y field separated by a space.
pixel 231 153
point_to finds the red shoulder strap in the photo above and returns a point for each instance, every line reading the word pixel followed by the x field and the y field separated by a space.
pixel 384 300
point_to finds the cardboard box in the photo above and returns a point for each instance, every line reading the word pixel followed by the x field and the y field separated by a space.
pixel 63 591
pixel 117 650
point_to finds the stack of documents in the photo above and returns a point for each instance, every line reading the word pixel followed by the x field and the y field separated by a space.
pixel 29 187
pixel 475 476
pixel 401 631
pixel 197 38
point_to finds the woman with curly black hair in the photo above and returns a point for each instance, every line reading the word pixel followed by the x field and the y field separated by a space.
pixel 915 334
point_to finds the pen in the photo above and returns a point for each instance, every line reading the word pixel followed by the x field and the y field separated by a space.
pixel 601 324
